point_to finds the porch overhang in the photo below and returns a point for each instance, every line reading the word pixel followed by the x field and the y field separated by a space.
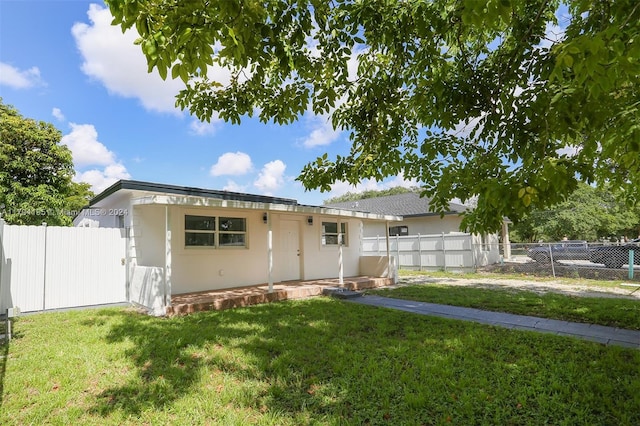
pixel 190 201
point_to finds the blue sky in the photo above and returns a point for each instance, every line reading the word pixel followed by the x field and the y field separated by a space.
pixel 62 62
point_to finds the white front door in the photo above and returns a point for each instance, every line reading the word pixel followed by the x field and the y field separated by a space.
pixel 287 259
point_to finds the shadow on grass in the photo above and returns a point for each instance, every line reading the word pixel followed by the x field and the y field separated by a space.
pixel 4 354
pixel 288 358
pixel 335 362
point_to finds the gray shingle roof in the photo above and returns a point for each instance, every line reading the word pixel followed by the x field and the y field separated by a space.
pixel 407 205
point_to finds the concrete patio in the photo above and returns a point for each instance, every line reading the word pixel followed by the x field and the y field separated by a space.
pixel 252 295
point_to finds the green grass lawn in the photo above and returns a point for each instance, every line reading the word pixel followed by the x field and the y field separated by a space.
pixel 315 361
pixel 615 312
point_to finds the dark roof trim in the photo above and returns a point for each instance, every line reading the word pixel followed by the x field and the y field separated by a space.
pixel 135 185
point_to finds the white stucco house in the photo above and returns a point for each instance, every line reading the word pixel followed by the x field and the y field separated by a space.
pixel 184 240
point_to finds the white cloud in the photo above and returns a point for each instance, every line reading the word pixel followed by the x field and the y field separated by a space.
pixel 102 179
pixel 569 151
pixel 200 128
pixel 354 61
pixel 463 129
pixel 110 57
pixel 19 79
pixel 87 150
pixel 271 177
pixel 401 181
pixel 552 34
pixel 322 133
pixel 341 188
pixel 57 113
pixel 232 163
pixel 234 187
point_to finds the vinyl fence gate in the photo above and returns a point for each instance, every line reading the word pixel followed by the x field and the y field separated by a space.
pixel 51 267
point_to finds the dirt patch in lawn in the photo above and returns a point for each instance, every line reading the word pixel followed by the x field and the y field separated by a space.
pixel 540 287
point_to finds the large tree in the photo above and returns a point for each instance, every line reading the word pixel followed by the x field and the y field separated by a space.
pixel 541 113
pixel 36 173
pixel 587 214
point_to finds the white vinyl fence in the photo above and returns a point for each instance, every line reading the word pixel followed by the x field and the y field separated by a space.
pixel 47 267
pixel 454 251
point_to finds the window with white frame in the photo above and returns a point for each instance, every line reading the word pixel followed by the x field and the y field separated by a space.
pixel 212 231
pixel 334 233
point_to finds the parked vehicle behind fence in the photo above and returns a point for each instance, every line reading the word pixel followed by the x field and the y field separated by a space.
pixel 563 250
pixel 616 256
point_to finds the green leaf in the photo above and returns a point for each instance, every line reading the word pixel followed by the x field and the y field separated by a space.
pixel 568 60
pixel 175 71
pixel 162 70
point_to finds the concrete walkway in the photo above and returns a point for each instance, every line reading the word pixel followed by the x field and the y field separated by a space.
pixel 596 333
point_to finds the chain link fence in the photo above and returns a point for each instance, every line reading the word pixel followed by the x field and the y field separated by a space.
pixel 572 259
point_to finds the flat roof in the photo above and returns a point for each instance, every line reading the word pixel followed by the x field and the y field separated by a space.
pixel 136 185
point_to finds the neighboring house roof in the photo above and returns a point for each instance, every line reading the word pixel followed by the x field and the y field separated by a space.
pixel 409 204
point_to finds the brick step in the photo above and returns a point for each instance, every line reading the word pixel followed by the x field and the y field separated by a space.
pixel 369 283
pixel 254 295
